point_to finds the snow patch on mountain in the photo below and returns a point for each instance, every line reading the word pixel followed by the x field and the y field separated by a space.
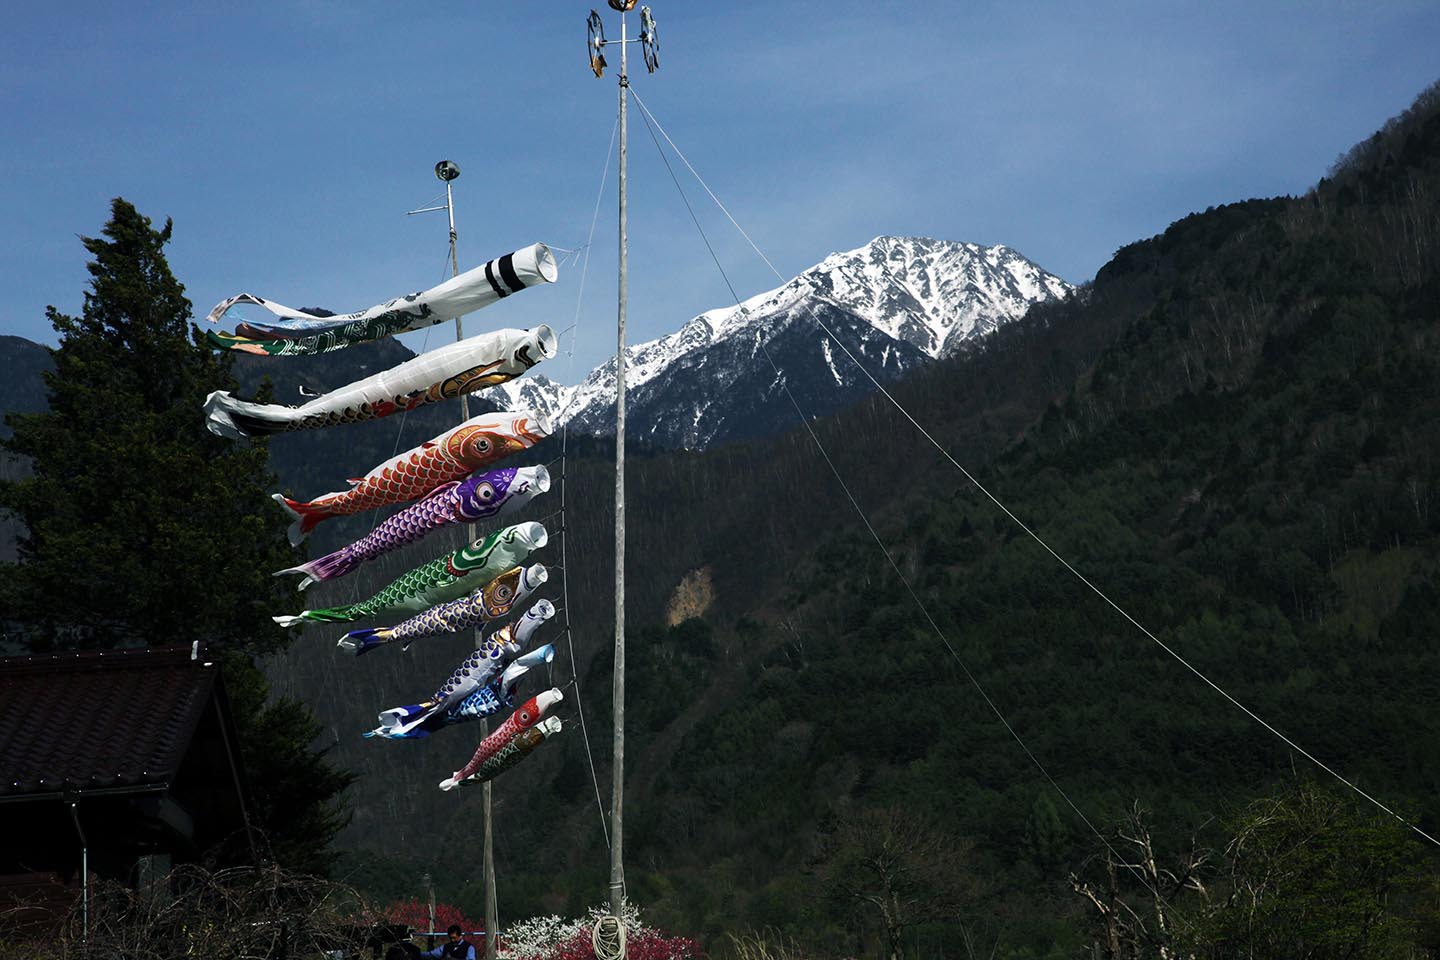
pixel 930 294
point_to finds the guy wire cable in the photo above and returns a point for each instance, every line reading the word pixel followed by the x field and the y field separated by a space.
pixel 974 681
pixel 564 484
pixel 399 433
pixel 1031 533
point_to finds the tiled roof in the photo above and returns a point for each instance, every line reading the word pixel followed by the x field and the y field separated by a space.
pixel 75 722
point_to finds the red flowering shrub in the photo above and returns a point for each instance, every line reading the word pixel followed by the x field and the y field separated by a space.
pixel 416 915
pixel 654 945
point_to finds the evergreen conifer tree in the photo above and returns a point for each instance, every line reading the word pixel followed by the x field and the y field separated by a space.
pixel 145 529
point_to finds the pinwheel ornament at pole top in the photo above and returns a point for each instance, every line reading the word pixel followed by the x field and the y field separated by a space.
pixel 649 38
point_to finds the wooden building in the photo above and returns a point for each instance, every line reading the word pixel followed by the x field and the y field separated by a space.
pixel 113 765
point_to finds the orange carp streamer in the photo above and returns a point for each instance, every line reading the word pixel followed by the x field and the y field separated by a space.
pixel 476 443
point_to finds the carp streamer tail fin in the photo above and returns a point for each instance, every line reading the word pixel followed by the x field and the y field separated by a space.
pixel 237 419
pixel 358 642
pixel 322 615
pixel 307 517
pixel 328 567
pixel 400 723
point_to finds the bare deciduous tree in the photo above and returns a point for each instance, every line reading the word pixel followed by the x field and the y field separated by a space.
pixel 899 867
pixel 239 913
pixel 1140 924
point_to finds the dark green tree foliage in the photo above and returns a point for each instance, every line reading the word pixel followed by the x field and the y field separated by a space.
pixel 1303 873
pixel 897 869
pixel 298 794
pixel 145 529
pixel 1307 874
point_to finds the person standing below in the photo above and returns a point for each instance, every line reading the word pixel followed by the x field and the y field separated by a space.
pixel 456 948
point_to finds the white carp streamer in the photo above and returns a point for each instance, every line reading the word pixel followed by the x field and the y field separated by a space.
pixel 463 367
pixel 298 333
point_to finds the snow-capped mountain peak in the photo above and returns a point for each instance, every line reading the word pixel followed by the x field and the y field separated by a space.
pixel 933 294
pixel 918 294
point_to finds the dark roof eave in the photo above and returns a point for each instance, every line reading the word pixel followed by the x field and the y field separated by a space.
pixel 81 793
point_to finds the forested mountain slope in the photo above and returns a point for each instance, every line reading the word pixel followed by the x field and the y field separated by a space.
pixel 1241 450
pixel 1231 430
pixel 21 391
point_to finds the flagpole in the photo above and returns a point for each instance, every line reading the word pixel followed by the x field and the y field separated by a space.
pixel 610 931
pixel 448 171
pixel 617 773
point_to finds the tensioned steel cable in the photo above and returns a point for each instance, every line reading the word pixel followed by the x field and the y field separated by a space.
pixel 564 448
pixel 400 428
pixel 974 681
pixel 1021 524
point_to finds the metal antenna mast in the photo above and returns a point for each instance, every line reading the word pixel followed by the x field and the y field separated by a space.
pixel 596 43
pixel 448 171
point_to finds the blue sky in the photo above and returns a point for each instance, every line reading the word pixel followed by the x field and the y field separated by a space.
pixel 288 140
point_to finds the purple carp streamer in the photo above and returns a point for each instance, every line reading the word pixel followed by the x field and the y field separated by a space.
pixel 478 608
pixel 478 442
pixel 516 749
pixel 444 578
pixel 464 367
pixel 297 333
pixel 422 719
pixel 482 497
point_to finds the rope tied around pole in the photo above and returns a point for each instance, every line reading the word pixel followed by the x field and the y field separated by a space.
pixel 608 938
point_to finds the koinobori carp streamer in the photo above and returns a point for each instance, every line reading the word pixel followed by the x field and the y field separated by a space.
pixel 491 602
pixel 482 497
pixel 298 333
pixel 462 367
pixel 422 719
pixel 517 748
pixel 524 717
pixel 444 578
pixel 495 653
pixel 478 442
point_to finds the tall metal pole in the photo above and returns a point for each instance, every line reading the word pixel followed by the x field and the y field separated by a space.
pixel 454 272
pixel 430 900
pixel 84 875
pixel 617 788
pixel 492 918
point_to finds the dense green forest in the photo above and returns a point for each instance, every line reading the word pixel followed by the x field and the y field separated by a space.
pixel 1241 450
pixel 1232 432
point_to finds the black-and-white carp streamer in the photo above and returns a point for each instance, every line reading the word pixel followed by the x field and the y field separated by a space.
pixel 298 333
pixel 422 719
pixel 462 367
